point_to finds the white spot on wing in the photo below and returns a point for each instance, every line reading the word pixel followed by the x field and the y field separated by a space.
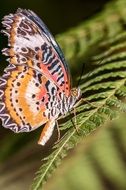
pixel 32 89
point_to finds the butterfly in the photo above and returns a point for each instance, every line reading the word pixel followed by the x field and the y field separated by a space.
pixel 35 88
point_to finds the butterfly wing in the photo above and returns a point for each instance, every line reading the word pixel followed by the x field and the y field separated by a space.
pixel 31 43
pixel 25 98
pixel 32 16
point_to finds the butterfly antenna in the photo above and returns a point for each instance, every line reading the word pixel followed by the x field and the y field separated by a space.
pixel 83 66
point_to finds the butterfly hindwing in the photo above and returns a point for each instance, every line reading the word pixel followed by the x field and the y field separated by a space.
pixel 31 43
pixel 25 98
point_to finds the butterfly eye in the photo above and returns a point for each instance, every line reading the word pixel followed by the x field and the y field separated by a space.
pixel 76 92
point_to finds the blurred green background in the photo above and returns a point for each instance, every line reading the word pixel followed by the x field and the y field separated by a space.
pixel 20 156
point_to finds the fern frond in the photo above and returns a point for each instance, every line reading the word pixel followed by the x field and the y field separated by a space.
pixel 81 42
pixel 98 162
pixel 104 87
pixel 86 123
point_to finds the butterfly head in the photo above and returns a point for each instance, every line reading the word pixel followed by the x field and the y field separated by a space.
pixel 76 93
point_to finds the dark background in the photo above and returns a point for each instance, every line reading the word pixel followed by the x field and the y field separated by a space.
pixel 58 15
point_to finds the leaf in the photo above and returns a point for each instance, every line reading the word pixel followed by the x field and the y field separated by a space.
pixel 98 162
pixel 81 42
pixel 103 87
pixel 104 90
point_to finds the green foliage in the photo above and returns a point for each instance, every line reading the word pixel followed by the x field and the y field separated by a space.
pixel 103 87
pixel 97 163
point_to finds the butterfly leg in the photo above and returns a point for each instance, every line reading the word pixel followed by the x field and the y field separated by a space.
pixel 82 100
pixel 75 122
pixel 47 132
pixel 58 132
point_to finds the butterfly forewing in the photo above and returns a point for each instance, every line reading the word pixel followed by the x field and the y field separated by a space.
pixel 32 44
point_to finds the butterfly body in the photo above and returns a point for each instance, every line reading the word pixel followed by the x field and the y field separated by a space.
pixel 35 88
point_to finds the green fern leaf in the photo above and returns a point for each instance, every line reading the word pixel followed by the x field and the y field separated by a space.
pixel 104 85
pixel 103 88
